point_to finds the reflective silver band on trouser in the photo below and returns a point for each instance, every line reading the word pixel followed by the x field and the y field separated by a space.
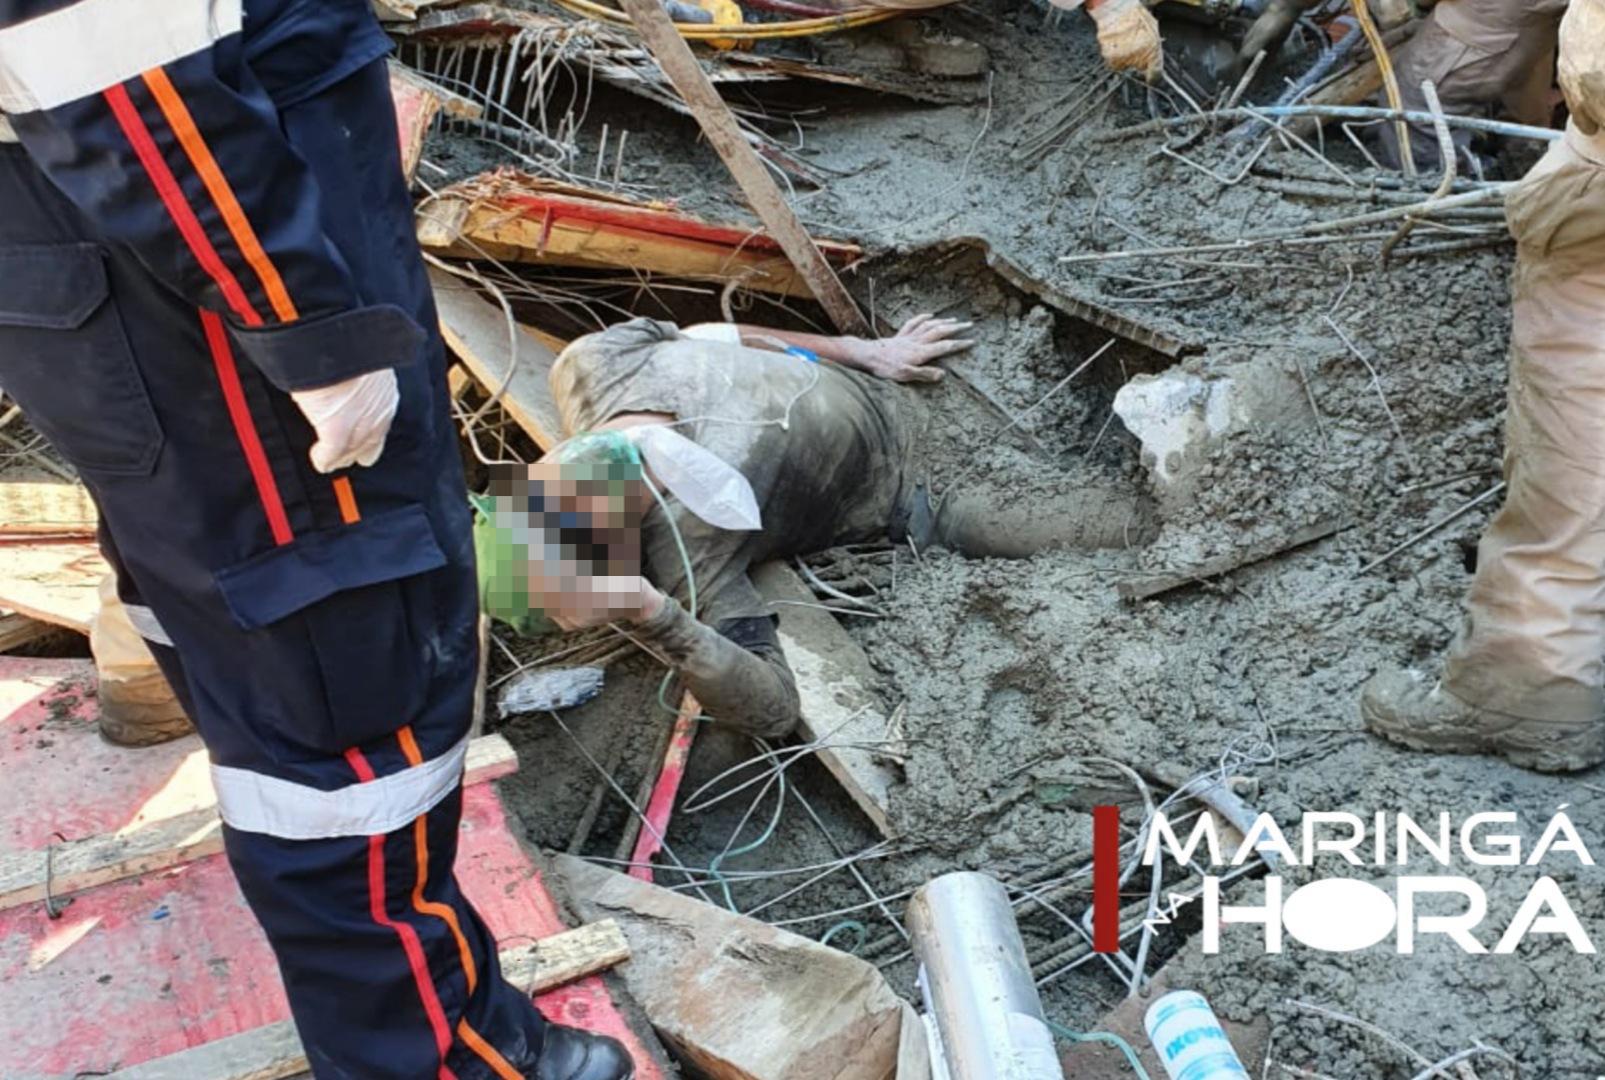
pixel 86 47
pixel 6 134
pixel 251 802
pixel 144 621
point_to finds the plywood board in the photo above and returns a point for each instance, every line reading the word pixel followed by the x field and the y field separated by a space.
pixel 837 705
pixel 54 581
pixel 46 507
pixel 476 330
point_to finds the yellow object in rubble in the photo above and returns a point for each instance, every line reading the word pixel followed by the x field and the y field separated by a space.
pixel 725 13
pixel 746 31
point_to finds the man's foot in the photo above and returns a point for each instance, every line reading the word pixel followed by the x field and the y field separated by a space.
pixel 141 711
pixel 1403 707
pixel 571 1054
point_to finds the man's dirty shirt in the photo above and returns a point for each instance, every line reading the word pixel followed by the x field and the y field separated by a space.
pixel 823 447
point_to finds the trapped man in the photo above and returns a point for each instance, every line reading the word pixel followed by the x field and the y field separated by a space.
pixel 760 444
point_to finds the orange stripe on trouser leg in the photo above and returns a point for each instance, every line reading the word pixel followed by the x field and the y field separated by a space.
pixel 487 1053
pixel 347 500
pixel 178 117
pixel 178 207
pixel 410 943
pixel 471 1038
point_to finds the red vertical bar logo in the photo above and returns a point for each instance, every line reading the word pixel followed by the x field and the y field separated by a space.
pixel 1106 879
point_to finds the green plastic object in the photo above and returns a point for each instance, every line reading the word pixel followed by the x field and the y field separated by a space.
pixel 504 573
pixel 503 533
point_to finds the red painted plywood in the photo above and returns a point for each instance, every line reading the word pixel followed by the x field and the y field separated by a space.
pixel 150 966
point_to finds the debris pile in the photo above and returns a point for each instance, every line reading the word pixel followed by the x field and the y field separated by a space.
pixel 1210 289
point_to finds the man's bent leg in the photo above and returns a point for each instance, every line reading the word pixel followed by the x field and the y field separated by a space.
pixel 987 522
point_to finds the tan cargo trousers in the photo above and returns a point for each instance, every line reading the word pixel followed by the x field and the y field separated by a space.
pixel 1478 53
pixel 1533 644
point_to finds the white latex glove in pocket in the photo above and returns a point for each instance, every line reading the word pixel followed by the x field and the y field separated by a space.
pixel 352 419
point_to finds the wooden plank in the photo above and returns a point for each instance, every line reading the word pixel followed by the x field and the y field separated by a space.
pixel 1162 581
pixel 476 330
pixel 660 805
pixel 19 630
pixel 680 64
pixel 832 680
pixel 96 860
pixel 274 1052
pixel 416 104
pixel 564 958
pixel 55 581
pixel 524 219
pixel 738 999
pixel 51 507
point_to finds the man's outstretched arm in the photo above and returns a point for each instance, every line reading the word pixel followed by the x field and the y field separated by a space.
pixel 904 357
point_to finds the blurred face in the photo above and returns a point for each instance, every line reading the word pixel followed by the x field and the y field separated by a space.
pixel 581 522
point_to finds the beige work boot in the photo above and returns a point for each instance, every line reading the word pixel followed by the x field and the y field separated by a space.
pixel 142 711
pixel 137 705
pixel 1403 707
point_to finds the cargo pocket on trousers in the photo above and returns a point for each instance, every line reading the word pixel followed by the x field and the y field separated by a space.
pixel 65 358
pixel 364 595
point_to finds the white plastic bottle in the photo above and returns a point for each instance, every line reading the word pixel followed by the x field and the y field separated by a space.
pixel 1190 1040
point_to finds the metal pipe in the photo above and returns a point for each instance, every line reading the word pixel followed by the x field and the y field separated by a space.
pixel 977 984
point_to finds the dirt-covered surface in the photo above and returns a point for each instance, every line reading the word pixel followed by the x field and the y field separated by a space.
pixel 1010 677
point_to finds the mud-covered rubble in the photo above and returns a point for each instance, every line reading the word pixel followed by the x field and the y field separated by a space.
pixel 1364 393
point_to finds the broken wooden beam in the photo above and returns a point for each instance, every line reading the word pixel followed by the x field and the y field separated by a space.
pixel 1152 583
pixel 519 218
pixel 27 877
pixel 763 195
pixel 832 676
pixel 274 1052
pixel 476 330
pixel 416 105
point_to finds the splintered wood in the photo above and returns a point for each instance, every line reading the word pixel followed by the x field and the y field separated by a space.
pixel 515 217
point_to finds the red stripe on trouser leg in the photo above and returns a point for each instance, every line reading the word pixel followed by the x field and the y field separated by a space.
pixel 1106 879
pixel 410 942
pixel 178 207
pixel 228 377
pixel 414 950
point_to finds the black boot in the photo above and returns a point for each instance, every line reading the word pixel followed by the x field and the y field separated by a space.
pixel 571 1054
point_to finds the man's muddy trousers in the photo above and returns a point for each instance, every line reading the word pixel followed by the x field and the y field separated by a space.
pixel 322 636
pixel 1534 640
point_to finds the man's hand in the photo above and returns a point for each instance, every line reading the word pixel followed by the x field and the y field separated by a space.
pixel 1128 37
pixel 904 356
pixel 352 419
pixel 580 602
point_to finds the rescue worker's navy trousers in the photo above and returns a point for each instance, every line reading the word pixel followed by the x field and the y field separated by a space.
pixel 322 636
